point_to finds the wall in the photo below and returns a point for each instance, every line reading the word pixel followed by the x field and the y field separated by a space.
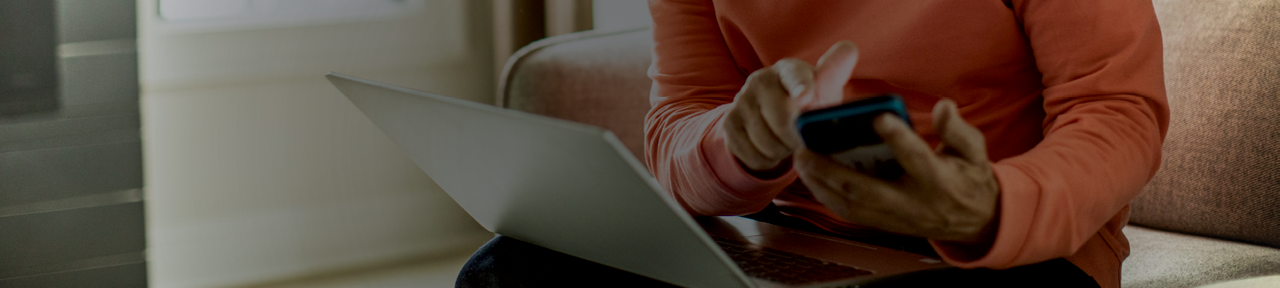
pixel 28 48
pixel 612 15
pixel 71 207
pixel 258 170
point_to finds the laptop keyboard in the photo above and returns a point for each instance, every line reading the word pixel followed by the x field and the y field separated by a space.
pixel 784 267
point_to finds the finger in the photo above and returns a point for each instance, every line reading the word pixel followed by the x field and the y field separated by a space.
pixel 834 70
pixel 911 151
pixel 853 196
pixel 779 116
pixel 813 177
pixel 796 76
pixel 764 97
pixel 957 135
pixel 834 175
pixel 833 199
pixel 779 113
pixel 763 137
pixel 738 143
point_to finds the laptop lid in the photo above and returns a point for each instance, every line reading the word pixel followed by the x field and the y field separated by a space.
pixel 562 185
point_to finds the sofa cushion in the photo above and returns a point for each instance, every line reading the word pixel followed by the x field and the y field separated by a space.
pixel 1255 282
pixel 1165 259
pixel 1221 171
pixel 597 78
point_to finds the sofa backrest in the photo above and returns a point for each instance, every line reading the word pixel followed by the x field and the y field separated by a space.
pixel 1221 171
pixel 588 77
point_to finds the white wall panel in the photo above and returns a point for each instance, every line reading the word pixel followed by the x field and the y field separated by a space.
pixel 257 169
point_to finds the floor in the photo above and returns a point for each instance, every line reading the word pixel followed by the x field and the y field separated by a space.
pixel 437 272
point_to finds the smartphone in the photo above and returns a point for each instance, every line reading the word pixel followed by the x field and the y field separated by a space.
pixel 845 133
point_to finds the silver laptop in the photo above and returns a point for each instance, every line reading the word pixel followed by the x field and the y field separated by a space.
pixel 575 189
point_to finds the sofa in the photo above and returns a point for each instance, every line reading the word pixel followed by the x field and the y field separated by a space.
pixel 1209 215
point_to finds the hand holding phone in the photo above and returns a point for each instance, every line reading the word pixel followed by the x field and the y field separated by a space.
pixel 845 133
pixel 951 193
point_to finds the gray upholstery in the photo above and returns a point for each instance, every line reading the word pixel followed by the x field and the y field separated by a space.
pixel 1221 171
pixel 588 77
pixel 1220 176
pixel 1166 259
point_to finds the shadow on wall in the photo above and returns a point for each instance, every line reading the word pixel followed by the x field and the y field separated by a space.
pixel 70 153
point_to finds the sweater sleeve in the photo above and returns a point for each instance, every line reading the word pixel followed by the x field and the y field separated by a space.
pixel 694 82
pixel 1106 117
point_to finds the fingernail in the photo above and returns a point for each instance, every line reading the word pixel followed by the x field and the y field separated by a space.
pixel 797 90
pixel 953 111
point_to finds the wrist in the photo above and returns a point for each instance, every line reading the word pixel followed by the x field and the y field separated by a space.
pixel 981 241
pixel 985 236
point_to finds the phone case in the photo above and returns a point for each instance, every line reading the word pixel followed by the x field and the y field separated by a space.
pixel 845 133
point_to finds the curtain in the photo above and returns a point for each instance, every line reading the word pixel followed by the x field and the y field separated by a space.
pixel 517 23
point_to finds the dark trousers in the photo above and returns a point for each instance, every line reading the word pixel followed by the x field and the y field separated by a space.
pixel 507 262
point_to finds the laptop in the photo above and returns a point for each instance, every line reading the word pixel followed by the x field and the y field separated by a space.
pixel 576 189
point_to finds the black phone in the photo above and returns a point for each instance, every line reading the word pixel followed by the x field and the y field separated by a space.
pixel 845 133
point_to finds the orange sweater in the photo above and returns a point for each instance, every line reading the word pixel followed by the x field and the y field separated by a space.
pixel 1069 94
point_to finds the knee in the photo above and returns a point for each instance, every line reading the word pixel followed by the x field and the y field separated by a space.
pixel 485 267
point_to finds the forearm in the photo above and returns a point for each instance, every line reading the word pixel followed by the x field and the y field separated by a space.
pixel 685 151
pixel 1057 196
pixel 695 82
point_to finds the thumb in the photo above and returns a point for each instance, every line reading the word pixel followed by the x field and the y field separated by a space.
pixel 834 70
pixel 957 135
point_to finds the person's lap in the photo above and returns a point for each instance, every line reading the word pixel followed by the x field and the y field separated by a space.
pixel 508 262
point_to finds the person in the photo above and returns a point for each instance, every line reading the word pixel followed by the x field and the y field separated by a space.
pixel 1036 123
